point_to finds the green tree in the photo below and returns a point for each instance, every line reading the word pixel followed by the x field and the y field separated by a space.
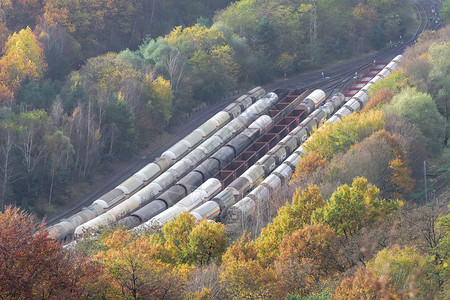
pixel 36 95
pixel 420 109
pixel 439 78
pixel 61 153
pixel 445 12
pixel 351 208
pixel 119 127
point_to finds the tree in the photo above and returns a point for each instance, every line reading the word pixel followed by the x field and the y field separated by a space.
pixel 118 127
pixel 243 276
pixel 32 265
pixel 351 208
pixel 381 158
pixel 129 265
pixel 445 12
pixel 338 137
pixel 291 217
pixel 308 165
pixel 207 241
pixel 363 286
pixel 159 99
pixel 36 95
pixel 439 78
pixel 381 97
pixel 364 19
pixel 306 257
pixel 405 270
pixel 61 154
pixel 438 260
pixel 395 82
pixel 8 131
pixel 419 109
pixel 23 56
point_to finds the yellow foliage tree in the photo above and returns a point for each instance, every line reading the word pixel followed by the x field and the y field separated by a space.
pixel 243 276
pixel 340 136
pixel 130 265
pixel 308 164
pixel 291 217
pixel 22 56
pixel 160 97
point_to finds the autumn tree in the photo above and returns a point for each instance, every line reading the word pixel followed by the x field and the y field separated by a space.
pixel 242 275
pixel 338 137
pixel 364 286
pixel 381 158
pixel 381 97
pixel 290 218
pixel 22 56
pixel 308 165
pixel 396 81
pixel 159 97
pixel 405 269
pixel 129 265
pixel 207 242
pixel 194 243
pixel 176 233
pixel 306 257
pixel 32 265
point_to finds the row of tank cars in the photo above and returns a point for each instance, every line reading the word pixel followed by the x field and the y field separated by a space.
pixel 170 166
pixel 258 183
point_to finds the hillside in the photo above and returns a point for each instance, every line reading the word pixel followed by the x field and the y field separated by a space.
pixel 86 83
pixel 355 225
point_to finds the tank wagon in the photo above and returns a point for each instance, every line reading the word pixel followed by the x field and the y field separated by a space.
pixel 151 171
pixel 213 164
pixel 183 166
pixel 282 173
